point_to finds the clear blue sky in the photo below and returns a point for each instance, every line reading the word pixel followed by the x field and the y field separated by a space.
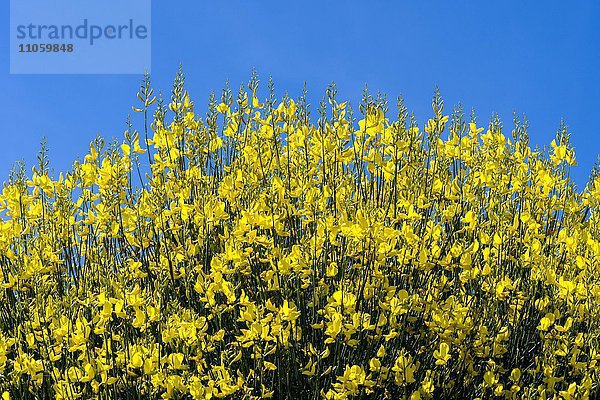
pixel 538 58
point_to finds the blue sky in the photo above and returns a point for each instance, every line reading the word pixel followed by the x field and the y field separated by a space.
pixel 537 58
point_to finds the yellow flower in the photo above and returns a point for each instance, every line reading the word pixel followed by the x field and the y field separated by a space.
pixel 442 355
pixel 268 249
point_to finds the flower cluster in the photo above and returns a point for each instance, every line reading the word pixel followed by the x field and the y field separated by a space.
pixel 259 251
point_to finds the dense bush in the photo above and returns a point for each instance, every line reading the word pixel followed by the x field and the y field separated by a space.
pixel 261 251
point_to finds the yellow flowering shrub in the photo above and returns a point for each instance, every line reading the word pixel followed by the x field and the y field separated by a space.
pixel 261 251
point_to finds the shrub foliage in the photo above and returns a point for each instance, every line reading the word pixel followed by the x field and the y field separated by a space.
pixel 261 251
